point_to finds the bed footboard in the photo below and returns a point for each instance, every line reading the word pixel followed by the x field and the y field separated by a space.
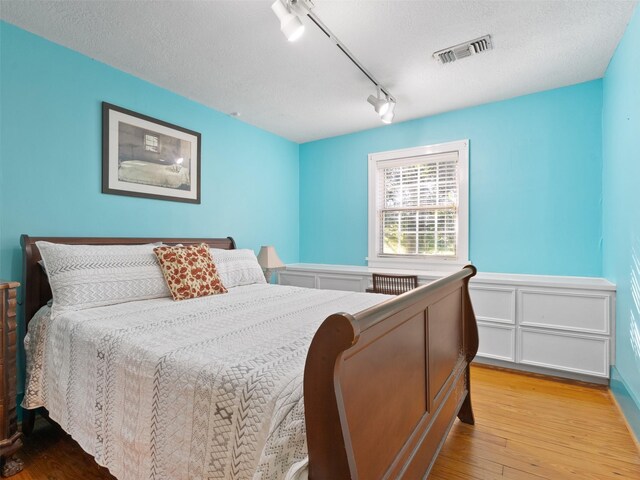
pixel 383 387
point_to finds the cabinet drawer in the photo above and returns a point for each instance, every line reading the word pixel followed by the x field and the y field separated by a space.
pixel 339 282
pixel 574 311
pixel 497 341
pixel 575 353
pixel 494 304
pixel 297 279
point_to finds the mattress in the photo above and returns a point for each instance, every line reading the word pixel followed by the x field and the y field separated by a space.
pixel 209 388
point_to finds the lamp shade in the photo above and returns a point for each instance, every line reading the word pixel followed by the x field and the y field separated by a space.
pixel 268 258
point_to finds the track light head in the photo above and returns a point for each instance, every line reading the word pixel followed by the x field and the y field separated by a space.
pixel 289 12
pixel 388 117
pixel 381 105
pixel 290 24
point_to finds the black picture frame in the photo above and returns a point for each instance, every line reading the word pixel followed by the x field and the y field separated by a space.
pixel 144 176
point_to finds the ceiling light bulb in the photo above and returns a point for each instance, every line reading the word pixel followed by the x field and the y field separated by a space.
pixel 381 105
pixel 388 117
pixel 290 25
pixel 295 29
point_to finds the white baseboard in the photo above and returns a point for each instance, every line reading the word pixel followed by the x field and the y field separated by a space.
pixel 542 371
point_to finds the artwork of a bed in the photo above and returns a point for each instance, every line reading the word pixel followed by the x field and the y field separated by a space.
pixel 263 382
pixel 146 157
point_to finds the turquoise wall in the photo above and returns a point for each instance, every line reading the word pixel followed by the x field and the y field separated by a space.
pixel 50 159
pixel 535 183
pixel 621 212
pixel 543 168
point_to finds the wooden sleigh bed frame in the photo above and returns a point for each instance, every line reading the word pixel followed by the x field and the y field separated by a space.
pixel 382 388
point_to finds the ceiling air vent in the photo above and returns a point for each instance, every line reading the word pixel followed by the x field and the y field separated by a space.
pixel 466 49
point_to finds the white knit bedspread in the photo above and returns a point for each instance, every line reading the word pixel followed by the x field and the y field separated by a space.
pixel 209 388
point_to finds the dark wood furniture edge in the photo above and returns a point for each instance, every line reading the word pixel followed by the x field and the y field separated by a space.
pixel 331 408
pixel 36 290
pixel 11 437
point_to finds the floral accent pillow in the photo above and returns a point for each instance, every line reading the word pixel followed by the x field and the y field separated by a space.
pixel 189 271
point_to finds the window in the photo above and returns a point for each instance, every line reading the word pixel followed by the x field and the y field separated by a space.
pixel 418 206
pixel 151 143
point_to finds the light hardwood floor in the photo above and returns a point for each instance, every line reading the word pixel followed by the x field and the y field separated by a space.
pixel 527 427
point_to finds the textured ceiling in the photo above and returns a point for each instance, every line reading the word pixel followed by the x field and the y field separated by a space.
pixel 231 56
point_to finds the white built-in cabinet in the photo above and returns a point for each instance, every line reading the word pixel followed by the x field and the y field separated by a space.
pixel 547 324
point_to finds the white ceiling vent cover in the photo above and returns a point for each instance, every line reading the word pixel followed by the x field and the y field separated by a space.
pixel 463 50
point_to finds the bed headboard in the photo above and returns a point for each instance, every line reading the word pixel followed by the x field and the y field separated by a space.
pixel 35 283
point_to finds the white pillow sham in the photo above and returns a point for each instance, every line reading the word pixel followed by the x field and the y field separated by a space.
pixel 86 276
pixel 237 267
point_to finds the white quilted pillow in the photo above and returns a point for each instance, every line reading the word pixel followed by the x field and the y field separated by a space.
pixel 86 276
pixel 237 267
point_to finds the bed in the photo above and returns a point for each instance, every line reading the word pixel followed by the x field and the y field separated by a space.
pixel 264 382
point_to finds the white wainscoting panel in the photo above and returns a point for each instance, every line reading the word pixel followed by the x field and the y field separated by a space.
pixel 494 304
pixel 497 341
pixel 586 312
pixel 559 325
pixel 564 351
pixel 297 279
pixel 337 282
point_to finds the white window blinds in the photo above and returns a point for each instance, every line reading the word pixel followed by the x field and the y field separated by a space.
pixel 418 205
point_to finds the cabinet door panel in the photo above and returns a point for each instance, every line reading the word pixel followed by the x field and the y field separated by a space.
pixel 572 311
pixel 497 341
pixel 338 282
pixel 297 279
pixel 494 304
pixel 574 353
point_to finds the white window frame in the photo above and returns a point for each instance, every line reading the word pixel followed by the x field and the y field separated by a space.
pixel 421 262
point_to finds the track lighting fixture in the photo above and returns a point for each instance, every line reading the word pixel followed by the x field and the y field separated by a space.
pixel 290 25
pixel 380 105
pixel 287 12
pixel 384 106
pixel 388 117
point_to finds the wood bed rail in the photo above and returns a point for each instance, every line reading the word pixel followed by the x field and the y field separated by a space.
pixel 383 387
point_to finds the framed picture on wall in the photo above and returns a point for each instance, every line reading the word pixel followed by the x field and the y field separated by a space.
pixel 146 157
